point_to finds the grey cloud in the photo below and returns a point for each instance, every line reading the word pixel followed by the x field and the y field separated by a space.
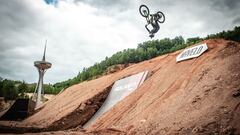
pixel 236 21
pixel 14 68
pixel 106 3
pixel 15 11
pixel 15 17
pixel 109 5
pixel 232 4
pixel 226 4
pixel 16 20
pixel 229 8
pixel 159 3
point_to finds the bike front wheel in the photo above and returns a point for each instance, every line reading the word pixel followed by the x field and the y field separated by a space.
pixel 144 11
pixel 161 17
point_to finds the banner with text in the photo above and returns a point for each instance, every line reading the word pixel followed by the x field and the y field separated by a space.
pixel 192 52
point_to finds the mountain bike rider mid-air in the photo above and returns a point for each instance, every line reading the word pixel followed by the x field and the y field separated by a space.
pixel 154 23
pixel 153 19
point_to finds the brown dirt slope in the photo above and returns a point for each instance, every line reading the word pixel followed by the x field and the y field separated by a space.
pixel 77 104
pixel 197 96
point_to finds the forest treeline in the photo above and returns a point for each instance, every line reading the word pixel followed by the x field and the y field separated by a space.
pixel 144 51
pixel 11 90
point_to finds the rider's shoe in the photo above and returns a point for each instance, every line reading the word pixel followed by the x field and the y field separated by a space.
pixel 151 35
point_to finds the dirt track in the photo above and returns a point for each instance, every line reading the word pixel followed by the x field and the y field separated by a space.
pixel 196 96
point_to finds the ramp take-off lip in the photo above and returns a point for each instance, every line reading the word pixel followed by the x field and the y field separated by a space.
pixel 119 91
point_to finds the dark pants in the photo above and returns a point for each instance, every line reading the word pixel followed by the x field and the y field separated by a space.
pixel 155 29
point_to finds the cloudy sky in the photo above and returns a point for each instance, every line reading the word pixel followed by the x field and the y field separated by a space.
pixel 82 32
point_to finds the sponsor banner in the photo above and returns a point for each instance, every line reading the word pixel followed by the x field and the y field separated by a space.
pixel 192 52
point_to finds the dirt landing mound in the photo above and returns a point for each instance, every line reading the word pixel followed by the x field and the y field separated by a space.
pixel 197 96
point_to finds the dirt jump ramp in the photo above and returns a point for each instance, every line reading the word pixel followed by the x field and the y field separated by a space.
pixel 196 96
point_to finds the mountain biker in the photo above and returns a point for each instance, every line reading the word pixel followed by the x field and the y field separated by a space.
pixel 154 22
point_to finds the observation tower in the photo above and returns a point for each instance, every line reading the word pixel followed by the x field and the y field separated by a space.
pixel 42 67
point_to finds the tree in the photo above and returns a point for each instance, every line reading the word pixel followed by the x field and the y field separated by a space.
pixel 144 51
pixel 152 52
pixel 193 40
pixel 178 41
pixel 9 90
pixel 1 89
pixel 22 89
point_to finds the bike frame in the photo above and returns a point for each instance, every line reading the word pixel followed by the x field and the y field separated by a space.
pixel 148 18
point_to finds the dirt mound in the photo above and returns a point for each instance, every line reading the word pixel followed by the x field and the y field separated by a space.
pixel 197 96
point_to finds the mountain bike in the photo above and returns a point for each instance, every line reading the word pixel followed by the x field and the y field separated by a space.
pixel 144 11
pixel 152 19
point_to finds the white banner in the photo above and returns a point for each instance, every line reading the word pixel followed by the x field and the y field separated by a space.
pixel 192 52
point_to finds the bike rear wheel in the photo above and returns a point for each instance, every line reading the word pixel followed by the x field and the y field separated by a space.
pixel 144 11
pixel 162 17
